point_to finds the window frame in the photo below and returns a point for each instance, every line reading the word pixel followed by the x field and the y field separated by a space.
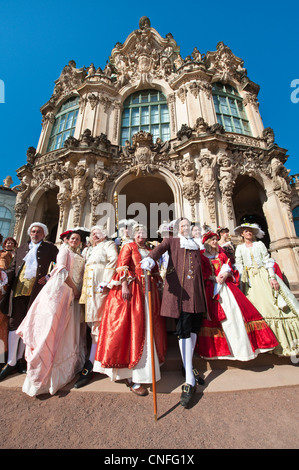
pixel 226 98
pixel 295 214
pixel 59 134
pixel 5 220
pixel 153 112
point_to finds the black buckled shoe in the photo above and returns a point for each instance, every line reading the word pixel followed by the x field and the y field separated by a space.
pixel 85 375
pixel 22 366
pixel 198 378
pixel 7 370
pixel 186 395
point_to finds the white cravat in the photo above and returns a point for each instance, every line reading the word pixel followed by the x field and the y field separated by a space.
pixel 31 261
pixel 187 243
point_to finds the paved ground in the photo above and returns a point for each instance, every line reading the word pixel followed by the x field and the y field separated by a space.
pixel 252 408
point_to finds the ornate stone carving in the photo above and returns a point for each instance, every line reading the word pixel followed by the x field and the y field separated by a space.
pixel 96 193
pixel 64 198
pixel 226 177
pixel 78 196
pixel 49 117
pixel 143 156
pixel 22 200
pixel 281 183
pixel 268 136
pixel 71 142
pixel 252 99
pixel 31 155
pixel 93 100
pixel 190 185
pixel 142 141
pixel 69 80
pixel 201 127
pixel 7 181
pixel 182 93
pixel 207 182
pixel 251 162
pixel 22 190
pixel 225 65
pixel 144 56
pixel 184 133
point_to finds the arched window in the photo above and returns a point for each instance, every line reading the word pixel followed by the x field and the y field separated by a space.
pixel 5 221
pixel 147 111
pixel 65 123
pixel 229 109
pixel 296 219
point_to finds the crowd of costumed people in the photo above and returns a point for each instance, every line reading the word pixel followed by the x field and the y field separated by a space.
pixel 80 310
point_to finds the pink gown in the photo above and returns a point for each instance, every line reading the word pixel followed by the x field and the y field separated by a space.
pixel 51 330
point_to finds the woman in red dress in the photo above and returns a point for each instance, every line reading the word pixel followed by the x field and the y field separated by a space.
pixel 123 350
pixel 233 329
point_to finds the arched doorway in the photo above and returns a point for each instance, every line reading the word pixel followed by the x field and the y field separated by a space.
pixel 248 199
pixel 149 200
pixel 47 212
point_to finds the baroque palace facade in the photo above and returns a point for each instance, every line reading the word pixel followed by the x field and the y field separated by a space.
pixel 154 128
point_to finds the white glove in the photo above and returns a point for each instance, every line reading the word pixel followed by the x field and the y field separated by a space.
pixel 101 286
pixel 3 278
pixel 147 263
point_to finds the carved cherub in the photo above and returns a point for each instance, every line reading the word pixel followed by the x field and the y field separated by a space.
pixel 207 173
pixel 80 177
pixel 22 189
pixel 99 180
pixel 226 172
pixel 280 176
pixel 7 181
pixel 188 171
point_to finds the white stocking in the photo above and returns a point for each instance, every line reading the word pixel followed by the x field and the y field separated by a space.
pixel 193 339
pixel 13 341
pixel 92 353
pixel 187 348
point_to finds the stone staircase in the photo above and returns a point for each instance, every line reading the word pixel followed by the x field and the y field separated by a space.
pixel 265 371
pixel 173 360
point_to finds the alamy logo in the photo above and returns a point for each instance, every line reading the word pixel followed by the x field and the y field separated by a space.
pixel 2 92
pixel 295 93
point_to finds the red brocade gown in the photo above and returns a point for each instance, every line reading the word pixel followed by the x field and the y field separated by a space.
pixel 233 329
pixel 123 349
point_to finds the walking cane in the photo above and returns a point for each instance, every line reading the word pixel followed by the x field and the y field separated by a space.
pixel 115 197
pixel 147 277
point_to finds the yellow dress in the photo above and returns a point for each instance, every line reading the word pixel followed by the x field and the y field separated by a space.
pixel 279 309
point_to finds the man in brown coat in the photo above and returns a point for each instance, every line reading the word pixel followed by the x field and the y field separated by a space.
pixel 26 277
pixel 183 296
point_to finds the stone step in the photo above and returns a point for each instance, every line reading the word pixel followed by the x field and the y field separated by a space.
pixel 173 360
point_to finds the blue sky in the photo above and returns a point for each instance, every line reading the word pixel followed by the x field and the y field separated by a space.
pixel 37 39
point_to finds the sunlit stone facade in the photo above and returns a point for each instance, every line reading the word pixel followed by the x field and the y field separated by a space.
pixel 153 127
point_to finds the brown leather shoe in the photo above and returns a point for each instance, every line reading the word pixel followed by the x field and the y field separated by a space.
pixel 140 391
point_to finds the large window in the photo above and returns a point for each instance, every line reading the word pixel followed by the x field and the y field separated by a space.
pixel 296 219
pixel 64 125
pixel 147 111
pixel 229 109
pixel 5 221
